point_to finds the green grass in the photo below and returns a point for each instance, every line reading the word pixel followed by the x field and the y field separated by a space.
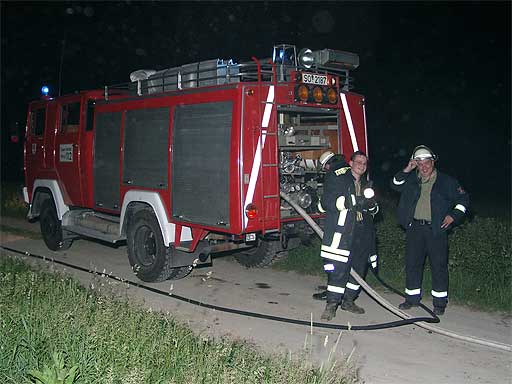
pixel 21 232
pixel 50 325
pixel 480 261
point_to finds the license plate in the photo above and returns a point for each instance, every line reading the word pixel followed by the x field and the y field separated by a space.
pixel 311 78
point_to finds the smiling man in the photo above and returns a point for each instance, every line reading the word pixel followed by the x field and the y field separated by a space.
pixel 349 235
pixel 431 202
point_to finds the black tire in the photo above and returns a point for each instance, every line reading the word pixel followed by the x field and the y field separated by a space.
pixel 263 255
pixel 149 257
pixel 51 228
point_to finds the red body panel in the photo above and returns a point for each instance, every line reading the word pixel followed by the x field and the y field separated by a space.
pixel 353 124
pixel 254 147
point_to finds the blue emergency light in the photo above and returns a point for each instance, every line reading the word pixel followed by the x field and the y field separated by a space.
pixel 45 90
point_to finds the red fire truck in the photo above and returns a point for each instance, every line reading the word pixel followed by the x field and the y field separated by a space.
pixel 190 161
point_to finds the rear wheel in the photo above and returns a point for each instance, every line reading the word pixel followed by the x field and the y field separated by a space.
pixel 264 254
pixel 149 257
pixel 51 228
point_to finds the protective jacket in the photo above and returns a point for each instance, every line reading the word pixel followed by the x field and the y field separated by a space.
pixel 447 198
pixel 340 203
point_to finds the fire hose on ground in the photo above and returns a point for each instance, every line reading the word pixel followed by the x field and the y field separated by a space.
pixel 386 304
pixel 405 318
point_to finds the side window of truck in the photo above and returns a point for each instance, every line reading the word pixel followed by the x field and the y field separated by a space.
pixel 70 118
pixel 37 121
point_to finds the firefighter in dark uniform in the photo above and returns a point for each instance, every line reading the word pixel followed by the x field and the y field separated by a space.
pixel 349 236
pixel 431 203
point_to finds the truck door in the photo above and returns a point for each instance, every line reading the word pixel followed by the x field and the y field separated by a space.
pixel 67 150
pixel 34 145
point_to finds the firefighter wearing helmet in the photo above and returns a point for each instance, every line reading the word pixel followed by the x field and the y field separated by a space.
pixel 431 203
pixel 349 236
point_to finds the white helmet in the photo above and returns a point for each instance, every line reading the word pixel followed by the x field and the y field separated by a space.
pixel 325 157
pixel 422 152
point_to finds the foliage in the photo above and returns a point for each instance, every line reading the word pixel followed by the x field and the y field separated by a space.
pixel 56 374
pixel 11 201
pixel 110 341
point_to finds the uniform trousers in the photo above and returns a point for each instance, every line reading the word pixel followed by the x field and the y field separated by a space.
pixel 340 283
pixel 420 241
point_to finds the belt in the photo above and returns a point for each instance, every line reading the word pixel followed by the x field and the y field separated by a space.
pixel 422 222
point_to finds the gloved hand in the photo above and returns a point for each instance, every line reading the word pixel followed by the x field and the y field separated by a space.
pixel 364 205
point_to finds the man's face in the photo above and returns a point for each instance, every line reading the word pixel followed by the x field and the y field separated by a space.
pixel 425 167
pixel 358 165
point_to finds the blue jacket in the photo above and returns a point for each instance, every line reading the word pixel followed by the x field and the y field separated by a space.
pixel 447 198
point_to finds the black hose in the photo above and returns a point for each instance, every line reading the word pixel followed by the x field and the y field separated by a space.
pixel 371 327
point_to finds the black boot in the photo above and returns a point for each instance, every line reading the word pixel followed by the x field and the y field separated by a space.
pixel 320 295
pixel 349 305
pixel 438 311
pixel 329 311
pixel 407 305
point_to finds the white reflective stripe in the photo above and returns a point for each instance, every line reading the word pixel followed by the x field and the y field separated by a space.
pixel 342 217
pixel 353 199
pixel 460 207
pixel 374 264
pixel 333 288
pixel 439 294
pixel 320 208
pixel 252 182
pixel 268 107
pixel 353 287
pixel 257 155
pixel 350 125
pixel 373 258
pixel 340 203
pixel 329 267
pixel 332 256
pixel 413 292
pixel 396 182
pixel 336 238
pixel 335 250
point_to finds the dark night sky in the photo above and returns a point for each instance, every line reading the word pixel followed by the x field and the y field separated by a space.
pixel 435 73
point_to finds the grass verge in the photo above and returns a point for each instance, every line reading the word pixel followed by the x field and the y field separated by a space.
pixel 52 326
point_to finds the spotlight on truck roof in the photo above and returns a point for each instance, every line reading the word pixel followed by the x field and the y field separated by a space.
pixel 306 58
pixel 331 58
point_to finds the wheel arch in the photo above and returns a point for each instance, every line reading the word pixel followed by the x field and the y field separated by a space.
pixel 136 200
pixel 47 189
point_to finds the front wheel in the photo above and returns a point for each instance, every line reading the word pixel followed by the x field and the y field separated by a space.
pixel 149 257
pixel 51 228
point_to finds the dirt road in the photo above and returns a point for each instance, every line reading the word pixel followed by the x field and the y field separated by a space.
pixel 398 355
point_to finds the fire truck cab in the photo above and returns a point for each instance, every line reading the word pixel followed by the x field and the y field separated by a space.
pixel 189 161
